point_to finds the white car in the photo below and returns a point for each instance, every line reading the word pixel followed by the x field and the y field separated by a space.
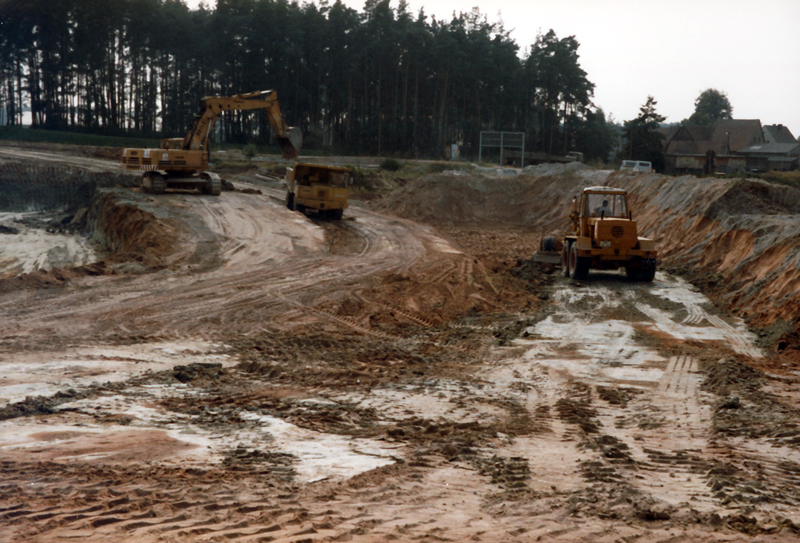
pixel 638 166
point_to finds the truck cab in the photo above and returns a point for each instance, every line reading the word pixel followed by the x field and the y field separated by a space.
pixel 317 187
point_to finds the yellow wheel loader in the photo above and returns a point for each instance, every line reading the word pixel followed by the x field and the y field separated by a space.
pixel 602 236
pixel 319 188
pixel 183 162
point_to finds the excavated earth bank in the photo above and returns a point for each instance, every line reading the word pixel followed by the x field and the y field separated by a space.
pixel 233 371
pixel 54 205
pixel 737 239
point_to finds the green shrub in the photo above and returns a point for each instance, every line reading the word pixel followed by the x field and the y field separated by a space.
pixel 250 150
pixel 437 167
pixel 390 165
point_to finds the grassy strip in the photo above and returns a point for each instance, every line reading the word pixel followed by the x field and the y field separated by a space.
pixel 30 135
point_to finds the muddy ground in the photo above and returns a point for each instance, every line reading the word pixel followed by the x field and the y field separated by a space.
pixel 193 368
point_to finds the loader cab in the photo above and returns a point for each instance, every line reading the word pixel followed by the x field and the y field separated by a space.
pixel 599 204
pixel 606 205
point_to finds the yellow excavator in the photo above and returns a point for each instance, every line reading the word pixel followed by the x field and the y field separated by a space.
pixel 183 162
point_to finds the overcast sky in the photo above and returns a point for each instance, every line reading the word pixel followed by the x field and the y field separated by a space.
pixel 670 49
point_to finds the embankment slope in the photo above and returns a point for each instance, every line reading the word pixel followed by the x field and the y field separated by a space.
pixel 737 239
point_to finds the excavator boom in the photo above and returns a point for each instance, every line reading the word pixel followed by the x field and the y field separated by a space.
pixel 288 138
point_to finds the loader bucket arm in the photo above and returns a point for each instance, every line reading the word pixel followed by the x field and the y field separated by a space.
pixel 290 139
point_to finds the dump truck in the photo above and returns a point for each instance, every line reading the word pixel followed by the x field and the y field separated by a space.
pixel 602 236
pixel 183 162
pixel 320 188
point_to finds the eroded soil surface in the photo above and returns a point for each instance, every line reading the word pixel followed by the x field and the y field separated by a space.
pixel 223 369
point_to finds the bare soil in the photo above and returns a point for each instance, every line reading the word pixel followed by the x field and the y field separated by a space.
pixel 225 369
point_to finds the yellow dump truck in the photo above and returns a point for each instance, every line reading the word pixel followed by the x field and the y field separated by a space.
pixel 319 188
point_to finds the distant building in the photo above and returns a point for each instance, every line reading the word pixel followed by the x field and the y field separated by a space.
pixel 729 146
pixel 777 133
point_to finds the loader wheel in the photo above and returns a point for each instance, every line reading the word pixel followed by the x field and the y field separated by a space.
pixel 298 207
pixel 549 244
pixel 290 200
pixel 578 265
pixel 633 273
pixel 647 272
pixel 565 258
pixel 335 214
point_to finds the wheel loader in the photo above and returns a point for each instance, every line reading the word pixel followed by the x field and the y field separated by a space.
pixel 183 162
pixel 318 187
pixel 602 236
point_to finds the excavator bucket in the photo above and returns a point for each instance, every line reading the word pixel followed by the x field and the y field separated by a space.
pixel 290 145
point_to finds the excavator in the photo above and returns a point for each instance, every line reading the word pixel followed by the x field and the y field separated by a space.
pixel 183 162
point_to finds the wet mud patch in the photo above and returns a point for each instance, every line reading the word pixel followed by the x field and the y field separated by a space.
pixel 343 238
pixel 779 336
pixel 659 302
pixel 40 405
pixel 336 360
pixel 747 409
pixel 618 396
pixel 625 310
pixel 255 461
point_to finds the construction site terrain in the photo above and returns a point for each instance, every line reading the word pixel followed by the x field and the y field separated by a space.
pixel 190 368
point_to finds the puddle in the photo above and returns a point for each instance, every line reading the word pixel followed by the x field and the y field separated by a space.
pixel 82 438
pixel 439 401
pixel 44 373
pixel 606 351
pixel 322 456
pixel 603 352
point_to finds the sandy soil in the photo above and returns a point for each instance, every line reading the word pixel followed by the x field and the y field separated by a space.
pixel 223 369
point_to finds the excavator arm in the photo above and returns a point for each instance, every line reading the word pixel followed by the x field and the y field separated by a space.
pixel 290 139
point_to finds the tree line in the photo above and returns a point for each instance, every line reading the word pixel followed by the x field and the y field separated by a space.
pixel 381 81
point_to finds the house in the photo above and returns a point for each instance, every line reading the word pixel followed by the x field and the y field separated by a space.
pixel 694 148
pixel 777 133
pixel 731 145
pixel 781 151
pixel 782 157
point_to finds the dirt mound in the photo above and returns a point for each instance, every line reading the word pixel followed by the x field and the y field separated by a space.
pixel 447 199
pixel 130 232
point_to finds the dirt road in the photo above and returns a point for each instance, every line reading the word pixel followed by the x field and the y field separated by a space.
pixel 231 370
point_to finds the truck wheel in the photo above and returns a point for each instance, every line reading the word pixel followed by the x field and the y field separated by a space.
pixel 565 258
pixel 578 265
pixel 549 244
pixel 290 200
